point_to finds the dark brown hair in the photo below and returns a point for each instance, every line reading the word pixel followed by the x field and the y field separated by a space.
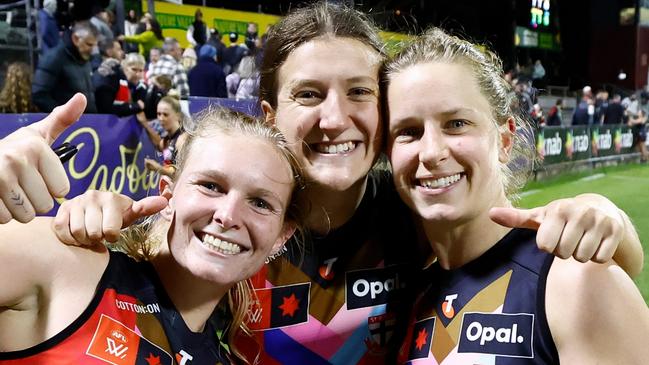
pixel 305 24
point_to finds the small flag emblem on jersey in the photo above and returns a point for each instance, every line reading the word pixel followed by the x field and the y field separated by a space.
pixel 422 339
pixel 280 306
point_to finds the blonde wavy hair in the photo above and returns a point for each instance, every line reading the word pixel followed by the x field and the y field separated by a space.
pixel 16 94
pixel 141 241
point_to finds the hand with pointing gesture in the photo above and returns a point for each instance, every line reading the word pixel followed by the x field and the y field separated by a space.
pixel 31 172
pixel 587 227
pixel 95 216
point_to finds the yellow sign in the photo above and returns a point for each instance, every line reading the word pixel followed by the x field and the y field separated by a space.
pixel 175 19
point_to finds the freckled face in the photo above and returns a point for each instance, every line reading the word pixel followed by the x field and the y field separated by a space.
pixel 443 143
pixel 328 108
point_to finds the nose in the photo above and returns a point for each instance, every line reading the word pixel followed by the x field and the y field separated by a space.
pixel 434 149
pixel 334 114
pixel 227 212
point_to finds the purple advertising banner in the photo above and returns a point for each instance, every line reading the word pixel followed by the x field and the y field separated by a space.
pixel 110 158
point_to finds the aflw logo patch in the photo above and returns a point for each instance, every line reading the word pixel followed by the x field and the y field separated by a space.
pixel 497 334
pixel 117 344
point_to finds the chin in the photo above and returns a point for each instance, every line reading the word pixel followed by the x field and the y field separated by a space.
pixel 336 179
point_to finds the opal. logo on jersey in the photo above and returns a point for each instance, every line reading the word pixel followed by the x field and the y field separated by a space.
pixel 367 288
pixel 499 334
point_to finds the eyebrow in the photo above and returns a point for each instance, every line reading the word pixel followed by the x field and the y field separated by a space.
pixel 312 82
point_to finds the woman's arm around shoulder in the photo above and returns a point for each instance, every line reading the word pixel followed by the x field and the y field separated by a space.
pixel 596 314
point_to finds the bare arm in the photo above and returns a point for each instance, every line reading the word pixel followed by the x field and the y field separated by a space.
pixel 45 285
pixel 596 314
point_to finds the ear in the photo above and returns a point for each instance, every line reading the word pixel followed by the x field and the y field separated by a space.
pixel 269 112
pixel 75 39
pixel 165 187
pixel 506 132
pixel 287 231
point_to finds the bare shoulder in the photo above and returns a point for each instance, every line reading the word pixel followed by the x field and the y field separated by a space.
pixel 33 259
pixel 596 313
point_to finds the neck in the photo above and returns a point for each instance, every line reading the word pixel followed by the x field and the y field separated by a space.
pixel 458 243
pixel 193 297
pixel 330 209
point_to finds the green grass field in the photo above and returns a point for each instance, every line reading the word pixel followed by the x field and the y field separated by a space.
pixel 626 185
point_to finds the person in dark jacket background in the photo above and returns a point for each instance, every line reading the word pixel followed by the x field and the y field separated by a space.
pixel 48 29
pixel 112 93
pixel 65 70
pixel 207 77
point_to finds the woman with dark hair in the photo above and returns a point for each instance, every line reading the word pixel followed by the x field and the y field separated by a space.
pixel 197 32
pixel 151 38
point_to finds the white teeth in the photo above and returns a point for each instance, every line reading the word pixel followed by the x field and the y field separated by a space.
pixel 335 148
pixel 223 247
pixel 442 182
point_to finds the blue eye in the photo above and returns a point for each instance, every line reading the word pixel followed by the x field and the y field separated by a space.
pixel 456 123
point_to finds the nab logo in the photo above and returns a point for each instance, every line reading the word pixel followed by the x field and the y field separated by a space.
pixel 367 288
pixel 497 334
pixel 447 306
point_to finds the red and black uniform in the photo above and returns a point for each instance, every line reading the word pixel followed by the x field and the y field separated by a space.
pixel 130 321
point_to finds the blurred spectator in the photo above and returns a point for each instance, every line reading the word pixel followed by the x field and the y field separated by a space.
pixel 16 96
pixel 108 48
pixel 524 98
pixel 101 21
pixel 638 124
pixel 252 38
pixel 188 59
pixel 554 115
pixel 154 55
pixel 585 112
pixel 207 78
pixel 130 29
pixel 233 54
pixel 601 104
pixel 537 116
pixel 48 29
pixel 197 32
pixel 133 67
pixel 244 84
pixel 168 65
pixel 130 23
pixel 158 88
pixel 112 93
pixel 538 74
pixel 216 42
pixel 644 102
pixel 171 119
pixel 615 111
pixel 151 37
pixel 65 70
